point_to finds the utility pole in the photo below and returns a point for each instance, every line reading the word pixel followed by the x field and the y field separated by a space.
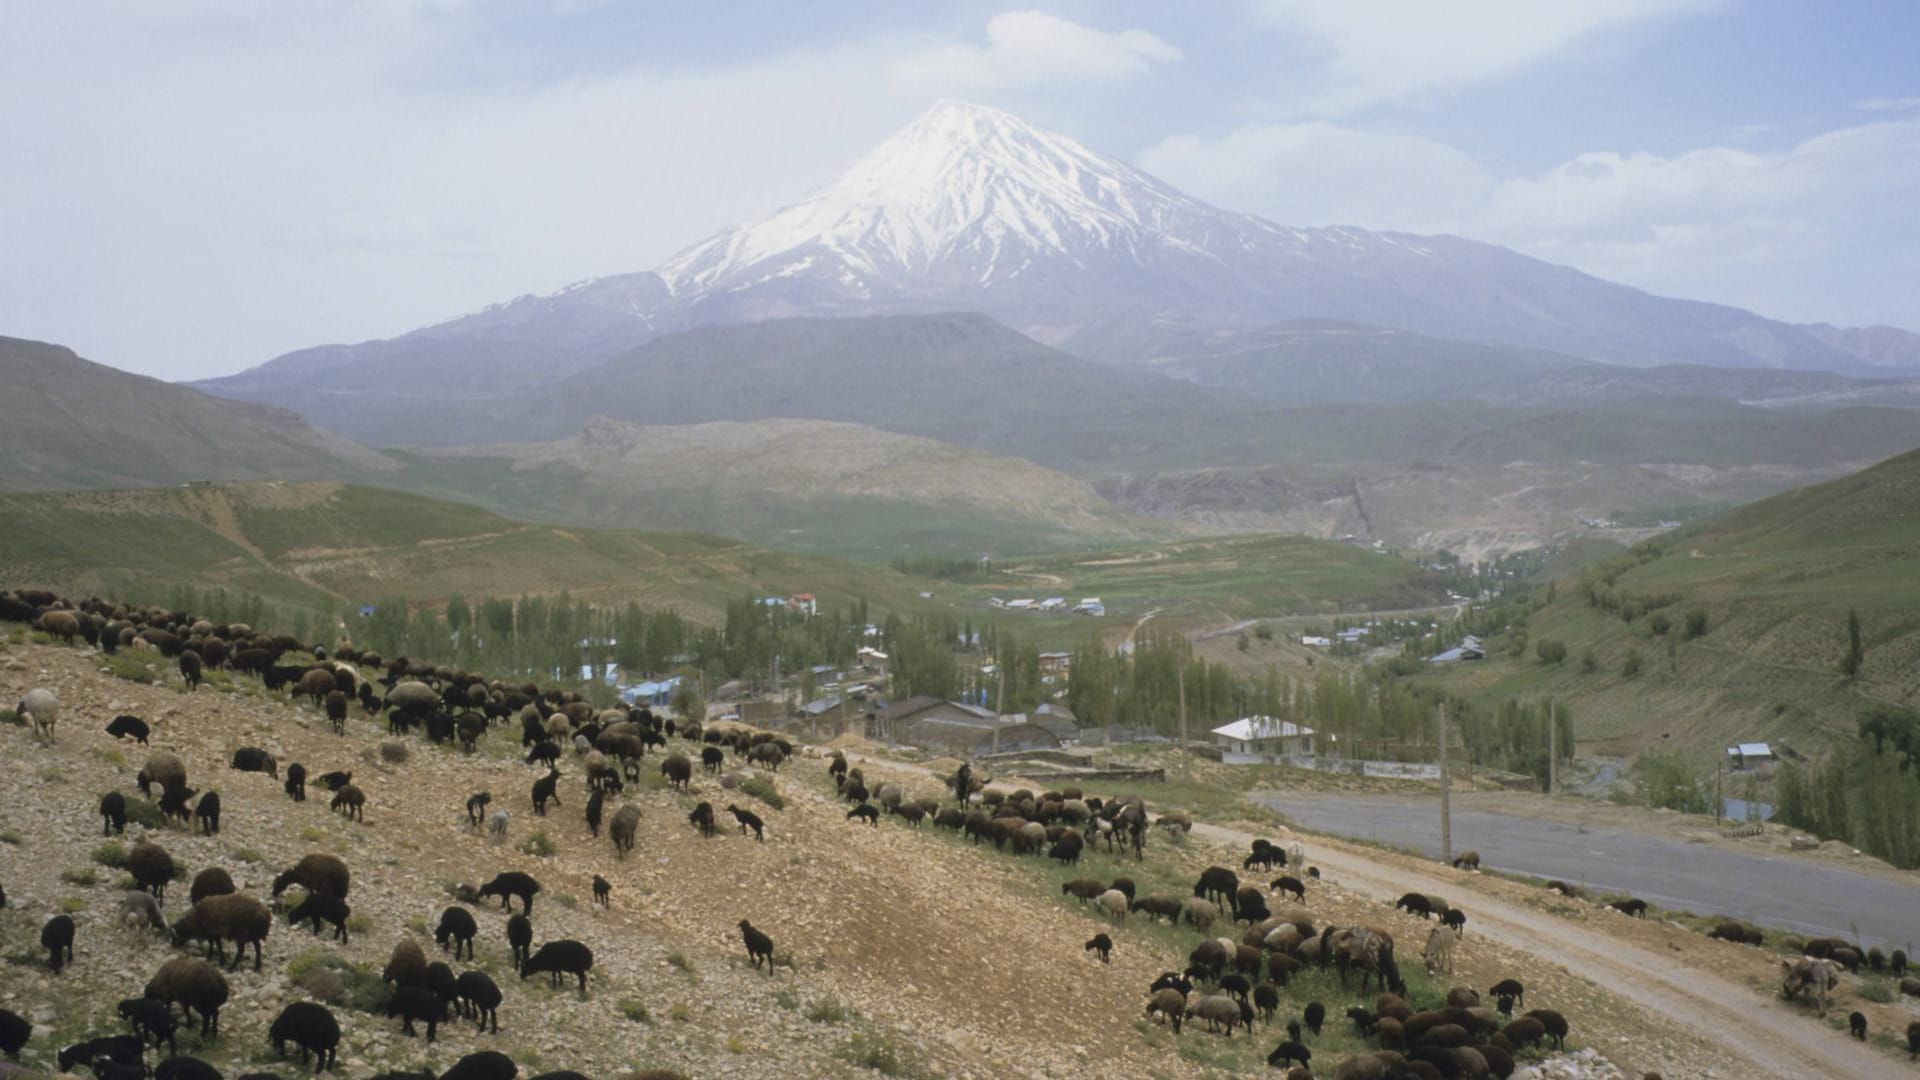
pixel 1553 750
pixel 999 705
pixel 1446 801
pixel 1186 749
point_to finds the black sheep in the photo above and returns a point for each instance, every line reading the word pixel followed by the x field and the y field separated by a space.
pixel 412 1003
pixel 1857 1025
pixel 124 1049
pixel 520 937
pixel 483 1065
pixel 1236 984
pixel 297 782
pixel 336 780
pixel 596 803
pixel 353 800
pixel 547 787
pixel 190 669
pixel 1630 906
pixel 312 1028
pixel 712 758
pixel 14 1033
pixel 602 891
pixel 477 807
pixel 1510 989
pixel 1315 1015
pixel 558 958
pixel 479 998
pixel 759 945
pixel 150 1020
pixel 173 802
pixel 1289 1051
pixel 1266 1000
pixel 113 813
pixel 748 820
pixel 702 818
pixel 1414 903
pixel 57 938
pixel 207 813
pixel 1291 885
pixel 254 759
pixel 678 771
pixel 1220 885
pixel 456 926
pixel 512 884
pixel 129 727
pixel 185 1068
pixel 439 978
pixel 1103 945
pixel 546 752
pixel 195 986
pixel 866 812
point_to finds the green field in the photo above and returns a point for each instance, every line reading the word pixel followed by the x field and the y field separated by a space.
pixel 1776 580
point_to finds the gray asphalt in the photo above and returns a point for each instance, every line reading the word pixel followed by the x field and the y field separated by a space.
pixel 1772 890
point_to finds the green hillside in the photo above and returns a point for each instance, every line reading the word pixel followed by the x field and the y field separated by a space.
pixel 1775 580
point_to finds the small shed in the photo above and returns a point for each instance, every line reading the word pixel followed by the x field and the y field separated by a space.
pixel 1260 738
pixel 1749 755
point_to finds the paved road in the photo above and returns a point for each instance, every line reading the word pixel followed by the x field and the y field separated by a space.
pixel 1774 890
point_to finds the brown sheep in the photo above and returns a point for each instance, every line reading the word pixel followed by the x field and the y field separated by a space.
pixel 1169 1003
pixel 625 821
pixel 220 919
pixel 407 966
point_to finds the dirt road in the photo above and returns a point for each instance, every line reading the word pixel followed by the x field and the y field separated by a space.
pixel 1774 1039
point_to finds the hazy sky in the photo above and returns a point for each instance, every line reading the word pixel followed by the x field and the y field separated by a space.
pixel 192 187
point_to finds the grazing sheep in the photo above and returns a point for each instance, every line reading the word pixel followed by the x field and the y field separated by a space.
pixel 309 1026
pixel 1524 1032
pixel 207 813
pixel 748 820
pixel 1809 977
pixel 254 759
pixel 1857 1025
pixel 152 1021
pixel 173 803
pixel 406 965
pixel 678 771
pixel 118 1049
pixel 1630 906
pixel 1266 1000
pixel 139 906
pixel 458 927
pixel 318 907
pixel 1083 888
pixel 558 958
pixel 213 881
pixel 545 788
pixel 1160 906
pixel 195 986
pixel 336 780
pixel 57 938
pixel 713 759
pixel 1467 860
pixel 1169 1003
pixel 1739 933
pixel 161 769
pixel 1221 1012
pixel 152 868
pixel 1287 1052
pixel 1292 885
pixel 519 937
pixel 1103 945
pixel 477 807
pixel 1414 903
pixel 129 727
pixel 1198 913
pixel 625 821
pixel 316 873
pixel 297 782
pixel 759 945
pixel 220 919
pixel 483 1065
pixel 191 669
pixel 1114 903
pixel 512 884
pixel 1218 885
pixel 1455 920
pixel 1913 1041
pixel 1315 1016
pixel 113 814
pixel 478 997
pixel 41 709
pixel 336 706
pixel 412 1003
pixel 1554 1024
pixel 602 891
pixel 353 800
pixel 1439 951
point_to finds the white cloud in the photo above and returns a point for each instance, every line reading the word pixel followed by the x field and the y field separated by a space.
pixel 1029 47
pixel 1395 51
pixel 1892 104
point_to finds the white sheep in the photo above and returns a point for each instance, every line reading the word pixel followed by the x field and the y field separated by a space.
pixel 139 906
pixel 40 708
pixel 1114 902
pixel 497 824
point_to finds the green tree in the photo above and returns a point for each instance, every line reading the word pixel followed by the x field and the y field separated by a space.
pixel 1697 622
pixel 1856 653
pixel 1659 624
pixel 1550 651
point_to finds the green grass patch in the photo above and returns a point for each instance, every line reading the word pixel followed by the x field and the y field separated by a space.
pixel 145 813
pixel 636 1011
pixel 11 836
pixel 125 665
pixel 112 854
pixel 762 788
pixel 80 875
pixel 538 844
pixel 72 905
pixel 829 1010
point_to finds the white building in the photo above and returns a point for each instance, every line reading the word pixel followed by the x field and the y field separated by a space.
pixel 1262 739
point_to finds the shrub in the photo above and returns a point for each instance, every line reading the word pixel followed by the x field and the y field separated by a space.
pixel 394 752
pixel 145 813
pixel 538 844
pixel 736 1045
pixel 112 853
pixel 1696 623
pixel 81 876
pixel 1550 651
pixel 762 788
pixel 109 754
pixel 786 999
pixel 876 1052
pixel 1263 631
pixel 122 665
pixel 11 836
pixel 1876 990
pixel 679 960
pixel 828 1010
pixel 72 905
pixel 1589 662
pixel 358 924
pixel 1659 624
pixel 1630 667
pixel 680 1013
pixel 8 716
pixel 249 855
pixel 635 1011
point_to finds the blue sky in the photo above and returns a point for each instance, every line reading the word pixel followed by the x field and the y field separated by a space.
pixel 194 187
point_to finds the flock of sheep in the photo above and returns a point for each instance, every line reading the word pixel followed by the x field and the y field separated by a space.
pixel 1234 980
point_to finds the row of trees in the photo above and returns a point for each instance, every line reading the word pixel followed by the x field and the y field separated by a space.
pixel 1866 793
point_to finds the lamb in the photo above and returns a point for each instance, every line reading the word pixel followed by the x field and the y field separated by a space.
pixel 219 919
pixel 1103 945
pixel 513 883
pixel 352 800
pixel 1291 885
pixel 748 820
pixel 602 891
pixel 150 1020
pixel 318 907
pixel 412 1003
pixel 312 1028
pixel 113 814
pixel 406 965
pixel 702 818
pixel 1169 1003
pixel 519 937
pixel 297 782
pixel 316 873
pixel 1857 1025
pixel 152 868
pixel 129 727
pixel 173 803
pixel 678 771
pixel 207 813
pixel 213 881
pixel 625 821
pixel 759 945
pixel 139 906
pixel 41 709
pixel 479 998
pixel 1290 1050
pixel 57 938
pixel 564 957
pixel 1455 920
pixel 254 759
pixel 497 825
pixel 545 788
pixel 195 986
pixel 456 926
pixel 163 769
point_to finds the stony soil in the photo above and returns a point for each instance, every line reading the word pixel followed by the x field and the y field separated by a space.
pixel 910 953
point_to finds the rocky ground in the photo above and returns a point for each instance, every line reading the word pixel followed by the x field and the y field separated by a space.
pixel 908 952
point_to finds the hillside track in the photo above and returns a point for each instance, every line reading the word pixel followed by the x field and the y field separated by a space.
pixel 1774 1039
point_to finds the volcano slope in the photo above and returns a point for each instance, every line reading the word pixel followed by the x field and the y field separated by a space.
pixel 904 952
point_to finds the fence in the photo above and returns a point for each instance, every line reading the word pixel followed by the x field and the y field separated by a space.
pixel 1399 770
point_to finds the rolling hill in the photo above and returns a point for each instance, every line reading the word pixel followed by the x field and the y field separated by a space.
pixel 68 422
pixel 1776 580
pixel 803 485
